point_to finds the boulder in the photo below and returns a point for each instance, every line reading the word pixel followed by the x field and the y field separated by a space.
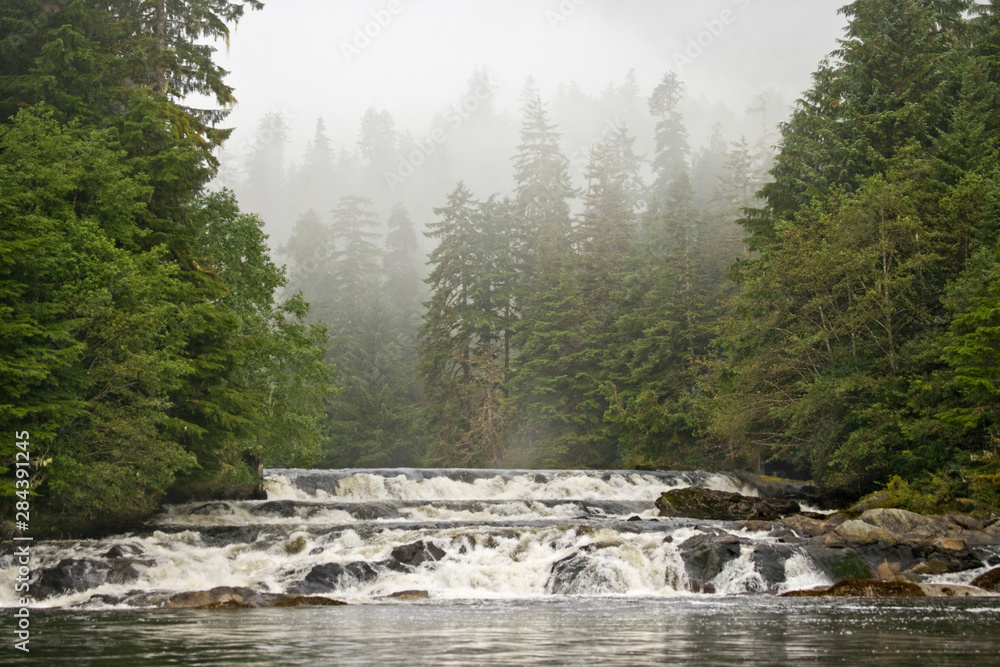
pixel 840 563
pixel 804 526
pixel 902 522
pixel 698 503
pixel 408 595
pixel 704 557
pixel 769 561
pixel 566 574
pixel 240 597
pixel 865 589
pixel 855 532
pixel 989 581
pixel 934 566
pixel 332 576
pixel 417 553
pixel 817 495
pixel 74 575
pixel 285 509
pixel 123 551
pixel 951 591
pixel 296 545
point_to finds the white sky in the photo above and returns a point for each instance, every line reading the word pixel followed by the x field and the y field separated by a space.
pixel 289 56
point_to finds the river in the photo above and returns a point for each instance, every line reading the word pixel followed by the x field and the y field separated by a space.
pixel 495 567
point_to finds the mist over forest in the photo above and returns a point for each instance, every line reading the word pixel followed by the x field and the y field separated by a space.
pixel 740 234
pixel 406 105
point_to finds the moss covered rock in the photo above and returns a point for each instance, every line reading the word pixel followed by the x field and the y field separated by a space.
pixel 865 589
pixel 989 581
pixel 698 503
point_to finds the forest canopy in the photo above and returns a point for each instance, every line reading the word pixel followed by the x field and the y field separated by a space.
pixel 828 309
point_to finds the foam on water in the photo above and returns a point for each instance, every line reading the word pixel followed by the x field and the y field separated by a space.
pixel 504 534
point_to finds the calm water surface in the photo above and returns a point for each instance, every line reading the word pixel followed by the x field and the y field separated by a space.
pixel 573 631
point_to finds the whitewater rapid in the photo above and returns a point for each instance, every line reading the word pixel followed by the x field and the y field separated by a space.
pixel 470 534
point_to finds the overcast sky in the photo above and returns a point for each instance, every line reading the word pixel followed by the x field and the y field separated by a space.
pixel 306 58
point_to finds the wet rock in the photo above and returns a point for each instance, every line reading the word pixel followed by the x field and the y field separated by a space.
pixel 934 566
pixel 757 526
pixel 805 526
pixel 296 545
pixel 704 557
pixel 857 532
pixel 989 581
pixel 74 575
pixel 865 589
pixel 581 573
pixel 123 551
pixel 240 597
pixel 901 522
pixel 966 522
pixel 207 509
pixel 769 561
pixel 817 495
pixel 224 536
pixel 841 564
pixel 698 503
pixel 634 517
pixel 332 576
pixel 220 597
pixel 417 553
pixel 302 601
pixel 565 573
pixel 951 591
pixel 282 508
pixel 408 595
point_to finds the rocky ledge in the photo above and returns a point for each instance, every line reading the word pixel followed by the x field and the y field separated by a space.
pixel 220 597
pixel 878 546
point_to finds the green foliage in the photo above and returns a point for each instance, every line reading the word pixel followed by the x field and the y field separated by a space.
pixel 861 344
pixel 89 329
pixel 145 355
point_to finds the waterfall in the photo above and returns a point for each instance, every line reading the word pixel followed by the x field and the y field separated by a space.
pixel 367 535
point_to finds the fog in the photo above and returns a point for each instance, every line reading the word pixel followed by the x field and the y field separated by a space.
pixel 743 63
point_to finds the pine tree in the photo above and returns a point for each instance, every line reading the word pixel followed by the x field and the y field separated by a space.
pixel 357 254
pixel 465 346
pixel 401 257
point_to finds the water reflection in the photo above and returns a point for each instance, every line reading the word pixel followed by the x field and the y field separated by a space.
pixel 761 630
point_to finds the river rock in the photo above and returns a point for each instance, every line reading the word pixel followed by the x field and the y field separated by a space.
pixel 804 526
pixel 951 591
pixel 989 581
pixel 704 557
pixel 282 508
pixel 566 574
pixel 901 522
pixel 417 553
pixel 818 495
pixel 229 597
pixel 769 561
pixel 331 576
pixel 408 595
pixel 698 503
pixel 856 532
pixel 80 574
pixel 123 551
pixel 865 589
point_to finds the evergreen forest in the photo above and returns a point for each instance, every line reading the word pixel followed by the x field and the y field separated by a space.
pixel 822 303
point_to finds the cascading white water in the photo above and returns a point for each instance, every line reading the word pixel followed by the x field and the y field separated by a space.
pixel 362 535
